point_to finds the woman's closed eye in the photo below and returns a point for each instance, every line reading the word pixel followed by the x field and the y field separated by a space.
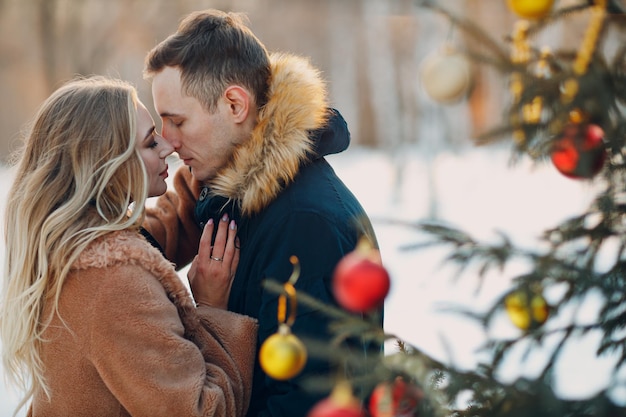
pixel 152 142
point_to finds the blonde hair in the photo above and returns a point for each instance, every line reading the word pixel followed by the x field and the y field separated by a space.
pixel 77 175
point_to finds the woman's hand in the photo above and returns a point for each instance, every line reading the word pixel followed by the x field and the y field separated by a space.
pixel 213 269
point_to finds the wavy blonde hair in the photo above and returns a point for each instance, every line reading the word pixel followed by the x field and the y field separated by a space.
pixel 77 176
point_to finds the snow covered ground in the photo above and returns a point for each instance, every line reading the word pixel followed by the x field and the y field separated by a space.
pixel 479 192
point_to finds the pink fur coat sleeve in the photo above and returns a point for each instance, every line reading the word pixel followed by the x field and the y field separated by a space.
pixel 171 221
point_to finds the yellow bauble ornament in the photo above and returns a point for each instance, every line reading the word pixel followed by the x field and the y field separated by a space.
pixel 524 314
pixel 282 355
pixel 446 76
pixel 531 9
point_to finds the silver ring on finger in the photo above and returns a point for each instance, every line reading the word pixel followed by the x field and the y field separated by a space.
pixel 216 258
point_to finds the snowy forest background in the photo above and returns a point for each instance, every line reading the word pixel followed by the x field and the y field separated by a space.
pixel 411 158
pixel 369 52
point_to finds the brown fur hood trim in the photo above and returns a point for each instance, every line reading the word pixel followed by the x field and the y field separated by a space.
pixel 130 248
pixel 279 144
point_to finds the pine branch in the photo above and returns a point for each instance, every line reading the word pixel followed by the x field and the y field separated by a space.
pixel 473 30
pixel 365 326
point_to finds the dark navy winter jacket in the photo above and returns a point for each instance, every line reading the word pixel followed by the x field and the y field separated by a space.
pixel 317 219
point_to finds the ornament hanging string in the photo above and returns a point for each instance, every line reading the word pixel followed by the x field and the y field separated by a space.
pixel 291 293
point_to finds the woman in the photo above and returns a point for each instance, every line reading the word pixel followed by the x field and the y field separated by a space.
pixel 94 320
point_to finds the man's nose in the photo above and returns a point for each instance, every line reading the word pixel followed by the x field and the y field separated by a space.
pixel 170 138
pixel 167 148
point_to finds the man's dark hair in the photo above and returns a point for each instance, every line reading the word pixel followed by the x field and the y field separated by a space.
pixel 214 49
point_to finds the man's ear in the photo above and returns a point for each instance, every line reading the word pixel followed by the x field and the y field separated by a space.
pixel 238 99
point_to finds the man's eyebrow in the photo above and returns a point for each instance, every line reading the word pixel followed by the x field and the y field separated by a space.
pixel 168 114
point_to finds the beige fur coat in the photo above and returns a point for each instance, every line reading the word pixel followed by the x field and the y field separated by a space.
pixel 133 344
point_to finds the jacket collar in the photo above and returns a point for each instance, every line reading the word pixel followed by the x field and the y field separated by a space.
pixel 128 247
pixel 280 142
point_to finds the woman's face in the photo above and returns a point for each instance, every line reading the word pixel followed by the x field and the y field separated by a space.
pixel 153 150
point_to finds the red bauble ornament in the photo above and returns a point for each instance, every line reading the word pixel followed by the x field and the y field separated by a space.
pixel 340 403
pixel 329 408
pixel 397 399
pixel 580 152
pixel 360 282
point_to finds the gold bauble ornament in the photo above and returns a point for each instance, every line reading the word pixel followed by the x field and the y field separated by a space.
pixel 526 309
pixel 282 355
pixel 531 9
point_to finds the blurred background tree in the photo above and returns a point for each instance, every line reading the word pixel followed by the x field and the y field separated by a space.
pixel 368 50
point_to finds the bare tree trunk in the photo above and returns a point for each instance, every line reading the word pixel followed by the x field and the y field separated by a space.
pixel 380 71
pixel 46 10
pixel 344 28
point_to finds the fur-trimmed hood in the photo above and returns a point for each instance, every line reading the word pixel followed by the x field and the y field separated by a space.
pixel 280 142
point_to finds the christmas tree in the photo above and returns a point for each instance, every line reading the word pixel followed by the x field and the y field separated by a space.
pixel 566 108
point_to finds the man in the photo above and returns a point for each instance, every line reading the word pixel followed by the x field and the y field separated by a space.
pixel 252 129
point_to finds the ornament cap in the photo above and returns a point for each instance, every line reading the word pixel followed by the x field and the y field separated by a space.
pixel 342 395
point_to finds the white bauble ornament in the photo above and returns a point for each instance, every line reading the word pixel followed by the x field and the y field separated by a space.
pixel 446 75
